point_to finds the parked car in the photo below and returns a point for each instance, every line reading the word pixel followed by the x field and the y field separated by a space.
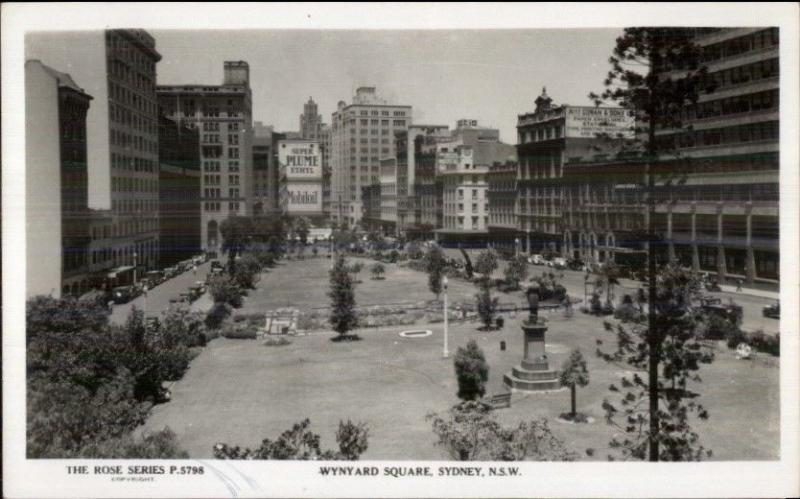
pixel 536 260
pixel 730 311
pixel 772 311
pixel 559 263
pixel 154 278
pixel 576 264
pixel 195 292
pixel 123 294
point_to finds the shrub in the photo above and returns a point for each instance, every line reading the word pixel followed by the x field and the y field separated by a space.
pixel 516 271
pixel 486 263
pixel 487 306
pixel 627 312
pixel 716 327
pixel 225 289
pixel 239 331
pixel 343 317
pixel 472 371
pixel 276 341
pixel 157 445
pixel 393 256
pixel 217 315
pixel 377 271
pixel 301 444
pixel 765 343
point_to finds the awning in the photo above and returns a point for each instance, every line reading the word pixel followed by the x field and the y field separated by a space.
pixel 113 273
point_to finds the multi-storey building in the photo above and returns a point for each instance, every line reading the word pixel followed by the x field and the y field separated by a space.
pixel 371 202
pixel 131 59
pixel 57 212
pixel 463 162
pixel 265 170
pixel 325 149
pixel 388 196
pixel 310 121
pixel 118 68
pixel 718 205
pixel 547 139
pixel 502 193
pixel 179 191
pixel 419 187
pixel 361 134
pixel 223 116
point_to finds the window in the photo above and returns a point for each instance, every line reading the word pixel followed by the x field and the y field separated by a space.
pixel 233 152
pixel 399 122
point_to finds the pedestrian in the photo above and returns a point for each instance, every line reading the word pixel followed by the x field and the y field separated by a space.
pixel 738 285
pixel 194 269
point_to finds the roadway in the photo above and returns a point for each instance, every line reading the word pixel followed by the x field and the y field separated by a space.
pixel 158 298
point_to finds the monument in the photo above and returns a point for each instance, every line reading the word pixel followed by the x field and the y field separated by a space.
pixel 533 373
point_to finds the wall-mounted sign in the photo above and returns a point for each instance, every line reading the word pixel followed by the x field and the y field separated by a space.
pixel 303 198
pixel 300 159
pixel 588 122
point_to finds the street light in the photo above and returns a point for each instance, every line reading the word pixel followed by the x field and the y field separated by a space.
pixel 445 353
pixel 516 246
pixel 135 255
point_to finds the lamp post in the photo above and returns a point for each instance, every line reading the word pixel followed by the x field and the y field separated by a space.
pixel 516 247
pixel 135 255
pixel 445 352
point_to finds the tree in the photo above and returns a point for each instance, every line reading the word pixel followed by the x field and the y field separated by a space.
pixel 472 371
pixel 487 305
pixel 377 270
pixel 236 233
pixel 611 273
pixel 471 433
pixel 434 266
pixel 225 289
pixel 670 333
pixel 300 443
pixel 302 226
pixel 247 271
pixel 639 81
pixel 486 263
pixel 516 271
pixel 343 316
pixel 574 373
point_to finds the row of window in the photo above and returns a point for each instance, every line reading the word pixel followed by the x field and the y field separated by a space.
pixel 364 112
pixel 135 142
pixel 733 105
pixel 216 206
pixel 129 52
pixel 127 74
pixel 743 44
pixel 124 95
pixel 124 162
pixel 127 206
pixel 541 133
pixel 127 184
pixel 756 71
pixel 139 121
pixel 215 179
pixel 751 132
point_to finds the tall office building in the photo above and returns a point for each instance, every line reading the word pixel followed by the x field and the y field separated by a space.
pixel 118 68
pixel 223 116
pixel 310 121
pixel 131 59
pixel 718 207
pixel 265 172
pixel 361 134
pixel 325 149
pixel 56 183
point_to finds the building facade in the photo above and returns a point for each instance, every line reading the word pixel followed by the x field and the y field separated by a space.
pixel 133 145
pixel 361 134
pixel 463 162
pixel 718 207
pixel 502 193
pixel 325 148
pixel 547 139
pixel 57 212
pixel 265 170
pixel 310 121
pixel 179 192
pixel 222 114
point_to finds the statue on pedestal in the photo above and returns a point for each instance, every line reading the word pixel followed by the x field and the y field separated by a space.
pixel 533 304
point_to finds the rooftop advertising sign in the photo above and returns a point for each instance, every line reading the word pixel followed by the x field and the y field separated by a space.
pixel 587 122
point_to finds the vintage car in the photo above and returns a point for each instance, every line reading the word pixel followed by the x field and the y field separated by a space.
pixel 772 311
pixel 536 260
pixel 730 311
pixel 124 294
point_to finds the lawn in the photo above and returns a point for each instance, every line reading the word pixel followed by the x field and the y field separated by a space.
pixel 239 392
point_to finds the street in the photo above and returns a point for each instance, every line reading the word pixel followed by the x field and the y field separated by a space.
pixel 158 297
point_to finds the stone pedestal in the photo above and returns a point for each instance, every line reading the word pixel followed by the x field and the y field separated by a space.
pixel 533 373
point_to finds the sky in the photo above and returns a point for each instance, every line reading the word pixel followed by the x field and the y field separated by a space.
pixel 488 75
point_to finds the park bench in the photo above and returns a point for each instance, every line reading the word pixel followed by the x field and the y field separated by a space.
pixel 499 400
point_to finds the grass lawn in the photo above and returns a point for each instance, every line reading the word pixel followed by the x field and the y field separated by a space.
pixel 240 392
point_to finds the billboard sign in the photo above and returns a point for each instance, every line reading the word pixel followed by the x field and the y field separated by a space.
pixel 303 198
pixel 300 159
pixel 588 121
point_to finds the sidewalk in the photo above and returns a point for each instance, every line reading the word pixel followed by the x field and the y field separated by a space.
pixel 773 295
